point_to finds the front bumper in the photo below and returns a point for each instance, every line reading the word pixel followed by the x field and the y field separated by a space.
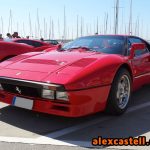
pixel 81 103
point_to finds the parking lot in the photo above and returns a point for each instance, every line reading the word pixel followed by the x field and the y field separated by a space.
pixel 21 126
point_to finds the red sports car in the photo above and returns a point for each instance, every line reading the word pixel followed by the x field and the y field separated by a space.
pixel 88 75
pixel 12 47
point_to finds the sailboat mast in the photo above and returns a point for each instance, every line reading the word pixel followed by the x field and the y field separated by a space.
pixel 2 28
pixel 23 29
pixel 30 25
pixel 72 33
pixel 77 26
pixel 130 19
pixel 64 34
pixel 44 24
pixel 10 22
pixel 50 24
pixel 38 24
pixel 97 30
pixel 116 17
pixel 106 23
pixel 17 27
pixel 81 29
pixel 52 29
pixel 59 37
pixel 87 29
pixel 36 33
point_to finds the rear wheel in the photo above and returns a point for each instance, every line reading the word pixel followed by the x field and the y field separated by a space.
pixel 120 92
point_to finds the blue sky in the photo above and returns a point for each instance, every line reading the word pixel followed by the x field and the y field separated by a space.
pixel 89 10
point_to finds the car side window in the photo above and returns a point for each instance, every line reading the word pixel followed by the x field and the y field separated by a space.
pixel 54 42
pixel 36 44
pixel 28 42
pixel 132 40
pixel 20 41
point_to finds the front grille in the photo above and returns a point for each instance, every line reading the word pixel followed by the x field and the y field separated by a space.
pixel 21 87
pixel 22 90
pixel 27 87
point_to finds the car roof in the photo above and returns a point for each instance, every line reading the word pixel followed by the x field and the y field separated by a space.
pixel 115 35
pixel 108 35
pixel 14 43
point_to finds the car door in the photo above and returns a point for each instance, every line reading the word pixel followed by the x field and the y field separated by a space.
pixel 147 60
pixel 141 62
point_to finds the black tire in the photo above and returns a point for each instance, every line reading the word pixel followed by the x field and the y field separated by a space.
pixel 112 103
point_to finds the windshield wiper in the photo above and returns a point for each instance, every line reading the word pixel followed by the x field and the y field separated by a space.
pixel 82 47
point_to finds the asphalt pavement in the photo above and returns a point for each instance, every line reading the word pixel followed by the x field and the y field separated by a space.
pixel 22 129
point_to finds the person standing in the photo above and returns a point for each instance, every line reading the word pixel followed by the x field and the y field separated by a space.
pixel 41 39
pixel 1 37
pixel 9 36
pixel 15 35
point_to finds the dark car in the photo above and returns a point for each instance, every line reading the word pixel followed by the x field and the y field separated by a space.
pixel 13 47
pixel 54 42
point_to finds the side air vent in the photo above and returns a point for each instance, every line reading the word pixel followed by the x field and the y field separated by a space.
pixel 83 62
pixel 41 61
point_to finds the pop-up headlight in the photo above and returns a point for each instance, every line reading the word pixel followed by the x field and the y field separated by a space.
pixel 62 96
pixel 47 93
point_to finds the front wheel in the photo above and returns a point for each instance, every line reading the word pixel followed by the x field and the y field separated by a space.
pixel 120 92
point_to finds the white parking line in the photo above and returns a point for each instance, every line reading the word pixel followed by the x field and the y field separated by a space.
pixel 49 139
pixel 3 105
pixel 33 141
pixel 45 141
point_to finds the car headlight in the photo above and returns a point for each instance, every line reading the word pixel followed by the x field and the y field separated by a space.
pixel 47 93
pixel 62 96
pixel 52 93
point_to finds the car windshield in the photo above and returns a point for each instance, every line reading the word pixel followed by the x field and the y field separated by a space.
pixel 104 44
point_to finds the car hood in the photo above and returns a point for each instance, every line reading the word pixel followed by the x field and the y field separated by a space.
pixel 54 67
pixel 49 62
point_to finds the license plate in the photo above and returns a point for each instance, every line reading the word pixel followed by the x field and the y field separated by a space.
pixel 22 102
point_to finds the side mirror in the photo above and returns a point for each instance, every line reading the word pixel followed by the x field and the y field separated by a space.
pixel 59 46
pixel 136 47
pixel 54 47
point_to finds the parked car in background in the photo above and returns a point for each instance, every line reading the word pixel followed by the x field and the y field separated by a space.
pixel 34 43
pixel 54 42
pixel 14 47
pixel 88 75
